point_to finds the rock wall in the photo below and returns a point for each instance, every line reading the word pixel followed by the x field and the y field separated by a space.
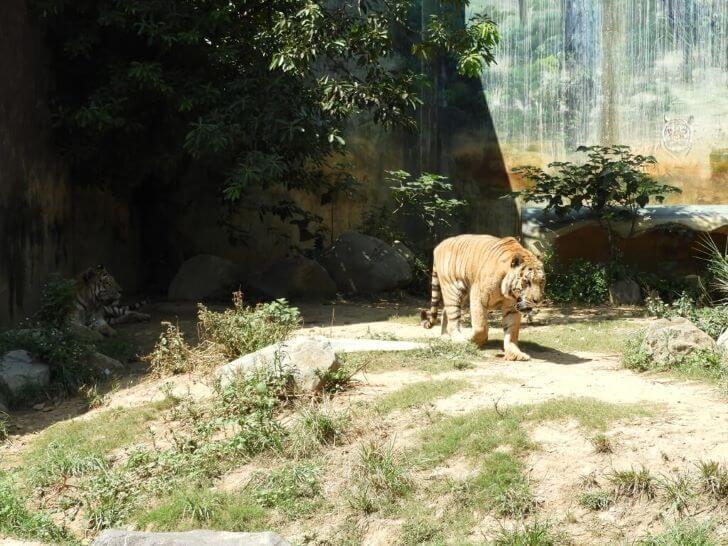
pixel 35 202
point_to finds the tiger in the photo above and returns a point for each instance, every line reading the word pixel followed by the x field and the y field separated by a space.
pixel 496 273
pixel 96 304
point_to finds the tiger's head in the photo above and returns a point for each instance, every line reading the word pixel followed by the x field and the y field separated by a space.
pixel 524 282
pixel 98 284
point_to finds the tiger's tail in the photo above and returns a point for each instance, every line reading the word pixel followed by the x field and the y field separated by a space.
pixel 429 318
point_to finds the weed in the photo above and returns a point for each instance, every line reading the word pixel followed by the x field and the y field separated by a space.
pixel 244 329
pixel 713 479
pixel 338 380
pixel 293 489
pixel 171 354
pixel 500 486
pixel 633 483
pixel 57 299
pixel 16 520
pixel 91 397
pixel 596 500
pixel 602 443
pixel 420 531
pixel 380 477
pixel 315 426
pixel 677 490
pixel 633 356
pixel 192 509
pixel 118 348
pixel 682 533
pixel 531 534
pixel 463 365
pixel 419 393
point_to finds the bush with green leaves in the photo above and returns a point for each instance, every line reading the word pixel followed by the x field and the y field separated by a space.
pixel 612 183
pixel 581 281
pixel 244 329
pixel 717 260
pixel 711 320
pixel 255 94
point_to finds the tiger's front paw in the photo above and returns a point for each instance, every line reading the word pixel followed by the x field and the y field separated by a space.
pixel 520 356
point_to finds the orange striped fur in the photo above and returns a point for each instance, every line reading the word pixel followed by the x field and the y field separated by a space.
pixel 495 273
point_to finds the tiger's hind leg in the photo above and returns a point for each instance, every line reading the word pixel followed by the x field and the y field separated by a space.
pixel 479 317
pixel 130 317
pixel 452 297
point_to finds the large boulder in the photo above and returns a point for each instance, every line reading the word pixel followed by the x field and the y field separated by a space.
pixel 360 264
pixel 205 277
pixel 625 292
pixel 104 364
pixel 19 370
pixel 307 358
pixel 667 341
pixel 294 278
pixel 189 538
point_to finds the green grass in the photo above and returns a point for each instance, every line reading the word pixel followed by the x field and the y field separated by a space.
pixel 596 500
pixel 633 483
pixel 484 430
pixel 531 534
pixel 315 427
pixel 606 336
pixel 293 489
pixel 683 533
pixel 18 521
pixel 418 394
pixel 440 355
pixel 75 447
pixel 380 479
pixel 713 479
pixel 194 509
pixel 420 531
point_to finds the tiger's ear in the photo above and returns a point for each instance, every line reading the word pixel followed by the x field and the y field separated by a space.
pixel 516 260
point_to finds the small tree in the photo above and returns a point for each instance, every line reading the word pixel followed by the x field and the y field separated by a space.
pixel 612 183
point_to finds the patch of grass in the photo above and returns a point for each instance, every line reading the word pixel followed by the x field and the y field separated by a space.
pixel 607 336
pixel 295 490
pixel 18 521
pixel 596 500
pixel 420 531
pixel 315 426
pixel 484 430
pixel 677 489
pixel 602 443
pixel 683 533
pixel 713 479
pixel 440 355
pixel 531 534
pixel 500 486
pixel 75 447
pixel 419 393
pixel 380 478
pixel 194 509
pixel 633 483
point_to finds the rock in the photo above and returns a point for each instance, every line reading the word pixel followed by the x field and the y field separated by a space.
pixel 669 340
pixel 204 277
pixel 295 278
pixel 104 364
pixel 303 356
pixel 722 342
pixel 360 264
pixel 189 538
pixel 404 251
pixel 348 345
pixel 19 370
pixel 84 333
pixel 626 292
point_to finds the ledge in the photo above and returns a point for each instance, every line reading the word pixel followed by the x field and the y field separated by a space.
pixel 540 226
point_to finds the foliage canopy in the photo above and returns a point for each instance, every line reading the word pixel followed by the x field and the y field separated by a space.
pixel 255 92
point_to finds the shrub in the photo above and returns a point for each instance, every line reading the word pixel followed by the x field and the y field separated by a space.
pixel 712 320
pixel 579 282
pixel 57 299
pixel 717 265
pixel 294 489
pixel 244 329
pixel 171 354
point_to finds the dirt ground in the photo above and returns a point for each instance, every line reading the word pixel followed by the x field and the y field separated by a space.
pixel 690 421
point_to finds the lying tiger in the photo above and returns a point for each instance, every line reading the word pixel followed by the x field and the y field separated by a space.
pixel 497 273
pixel 97 302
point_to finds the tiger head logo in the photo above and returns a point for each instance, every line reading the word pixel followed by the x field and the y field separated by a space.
pixel 677 135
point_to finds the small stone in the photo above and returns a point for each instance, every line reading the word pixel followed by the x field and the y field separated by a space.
pixel 38 407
